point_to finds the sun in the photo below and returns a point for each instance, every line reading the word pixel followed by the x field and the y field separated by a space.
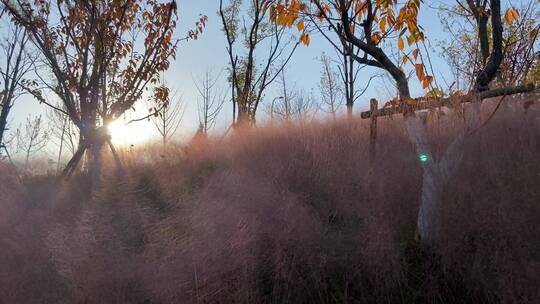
pixel 126 134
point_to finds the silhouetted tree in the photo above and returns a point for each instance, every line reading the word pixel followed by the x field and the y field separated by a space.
pixel 33 138
pixel 249 83
pixel 210 101
pixel 62 133
pixel 168 120
pixel 15 63
pixel 330 87
pixel 103 55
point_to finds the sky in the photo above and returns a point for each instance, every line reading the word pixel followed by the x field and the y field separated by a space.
pixel 208 53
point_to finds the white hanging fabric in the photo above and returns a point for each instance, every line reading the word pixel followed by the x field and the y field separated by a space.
pixel 436 172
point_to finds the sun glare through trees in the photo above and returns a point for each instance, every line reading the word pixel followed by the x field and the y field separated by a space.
pixel 124 133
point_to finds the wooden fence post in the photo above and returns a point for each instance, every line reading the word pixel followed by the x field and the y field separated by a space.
pixel 373 126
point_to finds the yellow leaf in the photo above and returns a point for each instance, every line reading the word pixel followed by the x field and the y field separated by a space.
pixel 290 19
pixel 295 7
pixel 273 12
pixel 411 40
pixel 300 26
pixel 405 59
pixel 382 24
pixel 400 44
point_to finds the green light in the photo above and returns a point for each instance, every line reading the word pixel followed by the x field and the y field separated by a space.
pixel 423 158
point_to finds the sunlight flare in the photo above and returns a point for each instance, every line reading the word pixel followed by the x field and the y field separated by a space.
pixel 125 134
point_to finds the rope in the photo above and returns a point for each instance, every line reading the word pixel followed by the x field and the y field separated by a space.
pixel 490 116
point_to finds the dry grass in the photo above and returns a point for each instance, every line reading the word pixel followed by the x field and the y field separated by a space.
pixel 283 215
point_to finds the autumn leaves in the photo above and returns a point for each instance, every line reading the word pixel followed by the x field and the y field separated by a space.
pixel 511 15
pixel 287 15
pixel 371 21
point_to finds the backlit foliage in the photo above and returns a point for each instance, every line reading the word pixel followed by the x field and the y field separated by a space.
pixel 387 18
pixel 92 49
pixel 380 19
pixel 104 55
pixel 462 50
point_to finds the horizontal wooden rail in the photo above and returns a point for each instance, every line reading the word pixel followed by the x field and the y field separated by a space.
pixel 423 103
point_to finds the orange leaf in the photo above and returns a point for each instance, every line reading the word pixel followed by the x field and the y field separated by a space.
pixel 300 26
pixel 280 8
pixel 400 44
pixel 304 38
pixel 405 59
pixel 419 71
pixel 415 53
pixel 427 81
pixel 515 13
pixel 376 38
pixel 382 24
pixel 509 16
pixel 360 7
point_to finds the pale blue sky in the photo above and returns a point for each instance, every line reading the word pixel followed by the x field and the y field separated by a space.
pixel 194 57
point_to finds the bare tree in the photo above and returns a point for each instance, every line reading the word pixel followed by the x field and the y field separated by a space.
pixel 249 83
pixel 293 104
pixel 210 101
pixel 521 45
pixel 329 87
pixel 32 139
pixel 304 106
pixel 13 68
pixel 168 120
pixel 284 107
pixel 467 53
pixel 349 70
pixel 63 134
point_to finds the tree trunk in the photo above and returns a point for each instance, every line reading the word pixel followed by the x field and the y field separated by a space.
pixel 482 21
pixel 402 84
pixel 91 144
pixel 244 117
pixel 96 163
pixel 116 157
pixel 3 121
pixel 61 145
pixel 73 163
pixel 349 111
pixel 495 59
pixel 27 160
